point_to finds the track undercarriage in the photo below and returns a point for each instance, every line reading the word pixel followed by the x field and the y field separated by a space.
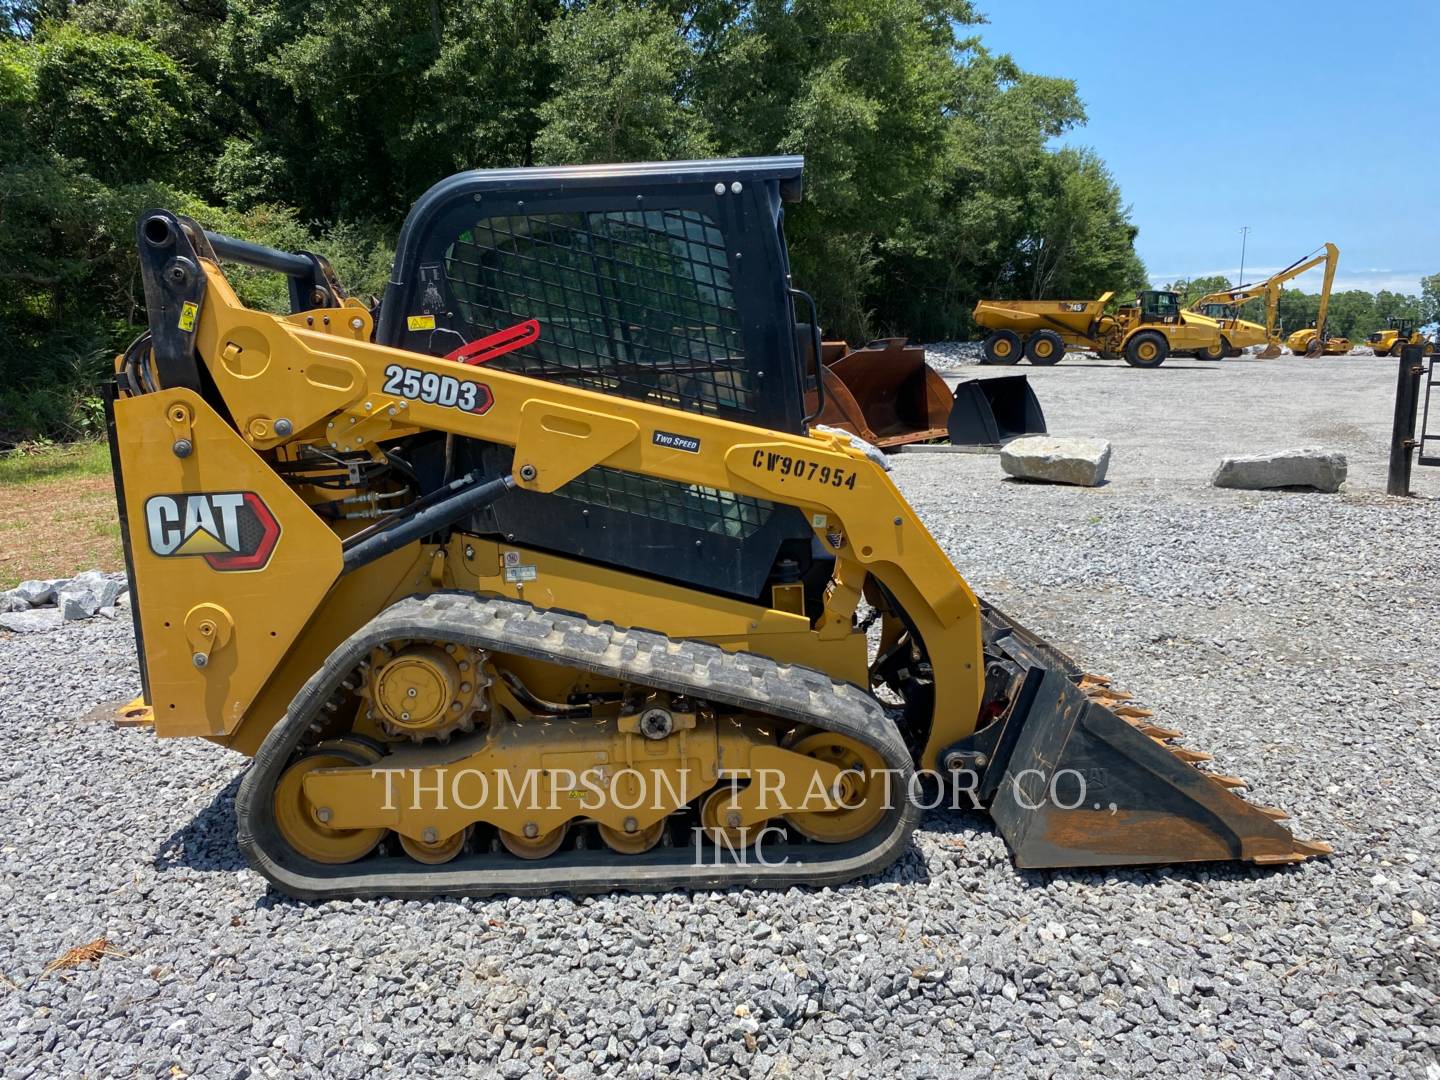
pixel 670 764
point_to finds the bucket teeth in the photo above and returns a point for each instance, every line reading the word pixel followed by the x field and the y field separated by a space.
pixel 1155 731
pixel 1304 849
pixel 1274 813
pixel 1192 756
pixel 1133 712
pixel 1229 781
pixel 1090 680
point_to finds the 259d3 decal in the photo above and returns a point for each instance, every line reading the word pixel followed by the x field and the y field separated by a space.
pixel 436 389
pixel 230 530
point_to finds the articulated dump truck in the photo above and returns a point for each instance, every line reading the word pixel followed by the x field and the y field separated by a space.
pixel 532 579
pixel 1144 332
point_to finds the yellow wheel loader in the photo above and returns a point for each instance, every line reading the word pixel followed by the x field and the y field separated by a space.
pixel 1397 334
pixel 536 581
pixel 1144 332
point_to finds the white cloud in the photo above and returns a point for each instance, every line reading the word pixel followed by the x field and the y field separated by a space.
pixel 1371 279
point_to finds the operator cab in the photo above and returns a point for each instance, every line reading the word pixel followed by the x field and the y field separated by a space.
pixel 1218 312
pixel 665 282
pixel 1158 306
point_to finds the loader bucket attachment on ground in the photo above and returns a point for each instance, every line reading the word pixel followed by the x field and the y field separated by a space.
pixel 884 392
pixel 990 412
pixel 1270 352
pixel 1074 776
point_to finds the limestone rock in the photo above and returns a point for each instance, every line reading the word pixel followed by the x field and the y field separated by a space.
pixel 39 592
pixel 1057 459
pixel 78 603
pixel 31 622
pixel 1310 467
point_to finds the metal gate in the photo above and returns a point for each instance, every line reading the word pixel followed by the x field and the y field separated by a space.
pixel 1430 424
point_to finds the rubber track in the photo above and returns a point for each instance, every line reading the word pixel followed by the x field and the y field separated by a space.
pixel 697 669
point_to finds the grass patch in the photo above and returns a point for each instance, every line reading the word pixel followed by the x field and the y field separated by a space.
pixel 29 465
pixel 57 504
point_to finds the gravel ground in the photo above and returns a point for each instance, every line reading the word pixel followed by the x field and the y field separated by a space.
pixel 1290 634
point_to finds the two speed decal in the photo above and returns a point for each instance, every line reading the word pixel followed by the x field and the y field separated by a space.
pixel 804 469
pixel 433 388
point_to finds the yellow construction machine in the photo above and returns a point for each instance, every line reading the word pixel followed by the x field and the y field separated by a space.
pixel 1313 341
pixel 1144 332
pixel 536 581
pixel 1224 306
pixel 1398 333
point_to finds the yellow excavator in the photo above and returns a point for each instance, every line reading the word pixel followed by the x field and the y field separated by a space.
pixel 1224 306
pixel 538 579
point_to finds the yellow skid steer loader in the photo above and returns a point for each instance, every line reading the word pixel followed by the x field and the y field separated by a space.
pixel 537 582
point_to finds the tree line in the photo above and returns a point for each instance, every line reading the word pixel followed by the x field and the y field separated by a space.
pixel 1353 313
pixel 931 180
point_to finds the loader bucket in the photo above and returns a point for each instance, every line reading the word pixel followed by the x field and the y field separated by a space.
pixel 990 412
pixel 884 392
pixel 1270 352
pixel 1074 777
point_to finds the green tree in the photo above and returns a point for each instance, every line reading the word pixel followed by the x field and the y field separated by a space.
pixel 930 181
pixel 1430 298
pixel 1192 289
pixel 123 111
pixel 621 89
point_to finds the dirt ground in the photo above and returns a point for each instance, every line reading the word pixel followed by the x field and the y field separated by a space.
pixel 57 514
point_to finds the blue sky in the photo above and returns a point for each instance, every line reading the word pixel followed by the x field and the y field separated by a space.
pixel 1214 117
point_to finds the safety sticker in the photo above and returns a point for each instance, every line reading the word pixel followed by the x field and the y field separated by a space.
pixel 420 322
pixel 188 311
pixel 519 574
pixel 671 441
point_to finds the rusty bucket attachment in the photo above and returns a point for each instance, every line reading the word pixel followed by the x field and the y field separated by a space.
pixel 1075 777
pixel 1270 352
pixel 889 396
pixel 990 412
pixel 883 392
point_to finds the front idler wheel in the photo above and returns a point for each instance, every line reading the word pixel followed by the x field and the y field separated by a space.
pixel 862 795
pixel 302 824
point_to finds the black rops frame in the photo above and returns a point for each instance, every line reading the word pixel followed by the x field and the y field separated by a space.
pixel 747 214
pixel 743 197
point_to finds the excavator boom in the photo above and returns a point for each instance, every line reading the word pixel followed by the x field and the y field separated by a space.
pixel 1269 291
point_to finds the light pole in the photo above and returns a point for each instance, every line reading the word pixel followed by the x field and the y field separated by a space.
pixel 1244 235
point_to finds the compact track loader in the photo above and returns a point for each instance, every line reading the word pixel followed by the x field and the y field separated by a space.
pixel 535 581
